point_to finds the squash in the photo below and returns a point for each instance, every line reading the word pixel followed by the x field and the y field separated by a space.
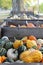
pixel 30 43
pixel 24 54
pixel 8 45
pixel 12 54
pixel 17 44
pixel 2 59
pixel 5 38
pixel 36 55
pixel 32 38
pixel 40 41
pixel 3 51
pixel 28 60
pixel 31 56
pixel 21 49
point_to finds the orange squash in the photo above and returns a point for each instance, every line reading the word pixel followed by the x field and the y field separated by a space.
pixel 32 38
pixel 2 59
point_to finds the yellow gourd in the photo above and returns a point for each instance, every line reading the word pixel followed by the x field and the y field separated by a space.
pixel 17 44
pixel 31 43
pixel 31 56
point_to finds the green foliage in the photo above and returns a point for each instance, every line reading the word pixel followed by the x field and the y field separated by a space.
pixel 6 4
pixel 41 8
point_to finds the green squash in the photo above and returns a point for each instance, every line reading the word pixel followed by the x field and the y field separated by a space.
pixel 2 43
pixel 5 38
pixel 8 45
pixel 2 51
pixel 41 49
pixel 21 49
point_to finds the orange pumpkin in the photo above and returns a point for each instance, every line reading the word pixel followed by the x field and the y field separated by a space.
pixel 32 37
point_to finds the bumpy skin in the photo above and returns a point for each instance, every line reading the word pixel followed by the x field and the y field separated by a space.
pixel 31 56
pixel 31 43
pixel 17 44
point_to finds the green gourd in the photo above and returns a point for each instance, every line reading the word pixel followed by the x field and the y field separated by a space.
pixel 21 49
pixel 3 51
pixel 8 45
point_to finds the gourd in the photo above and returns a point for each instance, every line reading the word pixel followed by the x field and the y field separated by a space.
pixel 24 54
pixel 2 59
pixel 5 38
pixel 21 49
pixel 32 38
pixel 31 43
pixel 8 45
pixel 17 44
pixel 40 41
pixel 3 51
pixel 32 56
pixel 12 54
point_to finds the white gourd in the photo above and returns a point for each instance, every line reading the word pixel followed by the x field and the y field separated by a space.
pixel 12 55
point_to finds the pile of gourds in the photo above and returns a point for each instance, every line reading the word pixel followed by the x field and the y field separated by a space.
pixel 28 49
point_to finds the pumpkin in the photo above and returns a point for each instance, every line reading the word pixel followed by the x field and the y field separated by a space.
pixel 32 38
pixel 17 44
pixel 2 51
pixel 12 54
pixel 8 45
pixel 32 56
pixel 21 49
pixel 30 43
